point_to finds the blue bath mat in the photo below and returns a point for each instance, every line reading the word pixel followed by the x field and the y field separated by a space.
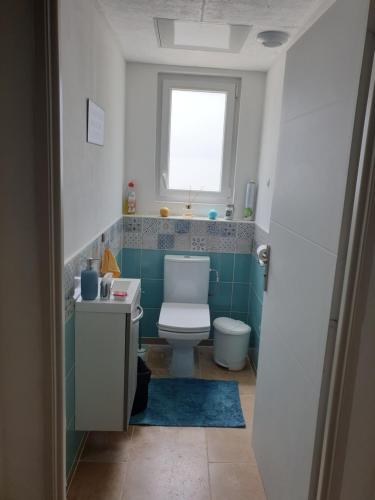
pixel 192 402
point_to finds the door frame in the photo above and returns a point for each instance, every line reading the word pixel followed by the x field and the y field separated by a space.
pixel 49 191
pixel 32 448
pixel 335 395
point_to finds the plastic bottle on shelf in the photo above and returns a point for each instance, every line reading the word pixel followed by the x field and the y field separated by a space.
pixel 130 199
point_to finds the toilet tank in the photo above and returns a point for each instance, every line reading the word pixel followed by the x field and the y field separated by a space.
pixel 186 279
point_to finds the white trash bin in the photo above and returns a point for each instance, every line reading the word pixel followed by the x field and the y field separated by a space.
pixel 231 343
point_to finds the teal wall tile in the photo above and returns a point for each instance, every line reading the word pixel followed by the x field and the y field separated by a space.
pixel 73 438
pixel 233 296
pixel 119 260
pixel 70 397
pixel 226 266
pixel 255 311
pixel 240 299
pixel 218 314
pixel 131 263
pixel 255 307
pixel 152 293
pixel 254 356
pixel 220 295
pixel 257 277
pixel 69 344
pixel 152 264
pixel 254 350
pixel 148 324
pixel 242 265
pixel 223 263
pixel 242 316
pixel 73 441
pixel 253 338
pixel 215 263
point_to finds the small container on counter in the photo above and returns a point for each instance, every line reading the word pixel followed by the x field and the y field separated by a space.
pixel 212 214
pixel 229 211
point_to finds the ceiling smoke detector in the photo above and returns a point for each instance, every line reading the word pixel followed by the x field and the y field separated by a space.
pixel 273 38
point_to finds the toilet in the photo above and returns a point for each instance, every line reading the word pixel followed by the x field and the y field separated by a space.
pixel 184 319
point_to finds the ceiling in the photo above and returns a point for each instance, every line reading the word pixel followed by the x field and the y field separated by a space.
pixel 133 23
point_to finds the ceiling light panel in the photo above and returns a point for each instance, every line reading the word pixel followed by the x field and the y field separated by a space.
pixel 175 34
pixel 216 36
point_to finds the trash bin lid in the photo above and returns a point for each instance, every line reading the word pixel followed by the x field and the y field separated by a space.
pixel 231 326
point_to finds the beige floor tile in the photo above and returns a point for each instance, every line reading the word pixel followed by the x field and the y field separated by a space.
pixel 94 481
pixel 168 444
pixel 235 481
pixel 247 404
pixel 210 370
pixel 155 480
pixel 197 369
pixel 107 446
pixel 170 463
pixel 158 359
pixel 229 445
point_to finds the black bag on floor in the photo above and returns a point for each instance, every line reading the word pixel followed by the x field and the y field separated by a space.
pixel 141 394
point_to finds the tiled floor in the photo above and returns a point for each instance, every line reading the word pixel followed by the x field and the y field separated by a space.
pixel 174 463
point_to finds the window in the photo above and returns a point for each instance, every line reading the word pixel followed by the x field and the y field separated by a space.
pixel 197 134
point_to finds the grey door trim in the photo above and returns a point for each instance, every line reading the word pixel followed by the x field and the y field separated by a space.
pixel 49 192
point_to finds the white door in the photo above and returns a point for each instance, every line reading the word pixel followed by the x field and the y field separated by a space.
pixel 320 93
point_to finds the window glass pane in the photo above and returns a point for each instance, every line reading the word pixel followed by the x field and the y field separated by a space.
pixel 196 140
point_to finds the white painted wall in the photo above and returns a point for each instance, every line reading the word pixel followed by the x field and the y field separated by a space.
pixel 92 66
pixel 270 142
pixel 319 101
pixel 141 111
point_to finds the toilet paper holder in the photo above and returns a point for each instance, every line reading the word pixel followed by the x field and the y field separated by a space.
pixel 263 254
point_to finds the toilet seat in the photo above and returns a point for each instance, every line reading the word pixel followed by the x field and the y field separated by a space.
pixel 185 319
pixel 182 337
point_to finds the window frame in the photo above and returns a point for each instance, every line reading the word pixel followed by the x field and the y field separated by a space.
pixel 229 85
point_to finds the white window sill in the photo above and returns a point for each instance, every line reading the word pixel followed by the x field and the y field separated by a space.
pixel 181 217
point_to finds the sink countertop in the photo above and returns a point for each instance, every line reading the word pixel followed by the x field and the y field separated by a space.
pixel 131 286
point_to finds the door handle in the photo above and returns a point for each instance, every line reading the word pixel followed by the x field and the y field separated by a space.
pixel 139 316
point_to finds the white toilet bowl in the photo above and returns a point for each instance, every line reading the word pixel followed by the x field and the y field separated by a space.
pixel 183 326
pixel 184 316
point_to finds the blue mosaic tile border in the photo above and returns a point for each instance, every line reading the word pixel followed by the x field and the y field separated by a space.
pixel 113 237
pixel 157 233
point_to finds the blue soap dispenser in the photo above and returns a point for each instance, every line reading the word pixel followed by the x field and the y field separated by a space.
pixel 89 281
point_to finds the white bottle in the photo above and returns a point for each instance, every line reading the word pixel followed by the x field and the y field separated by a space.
pixel 250 200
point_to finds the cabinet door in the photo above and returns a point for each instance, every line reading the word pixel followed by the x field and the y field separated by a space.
pixel 100 358
pixel 132 338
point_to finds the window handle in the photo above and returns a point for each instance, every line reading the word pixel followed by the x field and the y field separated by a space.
pixel 165 180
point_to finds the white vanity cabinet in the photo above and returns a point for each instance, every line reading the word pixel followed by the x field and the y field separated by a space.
pixel 106 343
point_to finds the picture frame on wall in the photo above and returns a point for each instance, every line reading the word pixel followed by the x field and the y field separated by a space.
pixel 95 123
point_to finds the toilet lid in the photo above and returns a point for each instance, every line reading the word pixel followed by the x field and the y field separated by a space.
pixel 177 317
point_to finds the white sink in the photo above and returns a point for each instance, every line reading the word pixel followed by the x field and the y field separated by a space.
pixel 131 286
pixel 121 285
